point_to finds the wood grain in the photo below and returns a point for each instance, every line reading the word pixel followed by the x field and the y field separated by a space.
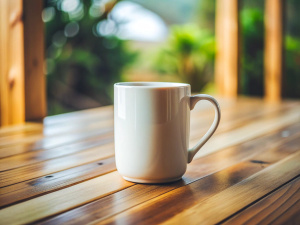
pixel 20 129
pixel 199 169
pixel 245 168
pixel 165 206
pixel 12 103
pixel 216 143
pixel 205 166
pixel 25 190
pixel 35 87
pixel 227 37
pixel 54 135
pixel 236 116
pixel 273 50
pixel 104 112
pixel 62 200
pixel 56 181
pixel 233 114
pixel 10 177
pixel 76 121
pixel 273 208
pixel 101 210
pixel 248 132
pixel 192 203
pixel 37 156
pixel 42 141
pixel 242 194
pixel 53 142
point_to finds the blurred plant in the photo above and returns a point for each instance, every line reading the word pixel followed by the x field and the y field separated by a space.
pixel 252 31
pixel 252 68
pixel 189 54
pixel 83 57
pixel 205 14
pixel 291 79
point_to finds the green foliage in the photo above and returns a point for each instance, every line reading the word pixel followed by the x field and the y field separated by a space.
pixel 252 31
pixel 189 54
pixel 79 59
pixel 291 80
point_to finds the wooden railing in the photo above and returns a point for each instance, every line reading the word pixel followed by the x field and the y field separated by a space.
pixel 227 57
pixel 22 80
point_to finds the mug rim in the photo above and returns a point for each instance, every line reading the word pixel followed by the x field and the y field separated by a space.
pixel 151 85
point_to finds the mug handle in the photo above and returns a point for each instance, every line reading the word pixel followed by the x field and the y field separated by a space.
pixel 193 101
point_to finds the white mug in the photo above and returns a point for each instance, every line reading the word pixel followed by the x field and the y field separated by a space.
pixel 152 123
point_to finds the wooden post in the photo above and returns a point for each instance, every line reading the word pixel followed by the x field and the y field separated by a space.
pixel 273 50
pixel 12 110
pixel 35 90
pixel 22 81
pixel 227 36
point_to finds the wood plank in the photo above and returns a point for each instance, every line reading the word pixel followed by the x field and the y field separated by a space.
pixel 273 50
pixel 56 181
pixel 248 115
pixel 35 88
pixel 280 207
pixel 290 216
pixel 248 132
pixel 12 106
pixel 67 122
pixel 10 177
pixel 238 196
pixel 216 143
pixel 20 128
pixel 53 142
pixel 44 206
pixel 87 114
pixel 38 141
pixel 58 130
pixel 230 120
pixel 107 112
pixel 62 200
pixel 227 37
pixel 216 162
pixel 41 141
pixel 198 170
pixel 77 122
pixel 60 127
pixel 139 194
pixel 192 204
pixel 236 119
pixel 33 157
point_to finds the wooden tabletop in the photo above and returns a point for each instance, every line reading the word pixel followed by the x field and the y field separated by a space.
pixel 63 171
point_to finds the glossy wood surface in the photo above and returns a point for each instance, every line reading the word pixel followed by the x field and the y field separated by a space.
pixel 63 171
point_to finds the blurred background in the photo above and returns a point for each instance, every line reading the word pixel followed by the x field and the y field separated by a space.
pixel 92 44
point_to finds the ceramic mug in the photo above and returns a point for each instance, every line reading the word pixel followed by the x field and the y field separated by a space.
pixel 152 123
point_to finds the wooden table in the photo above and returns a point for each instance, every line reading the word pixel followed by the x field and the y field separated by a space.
pixel 63 171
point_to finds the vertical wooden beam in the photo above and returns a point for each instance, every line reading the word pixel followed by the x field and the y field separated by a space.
pixel 273 50
pixel 22 81
pixel 227 36
pixel 35 90
pixel 12 110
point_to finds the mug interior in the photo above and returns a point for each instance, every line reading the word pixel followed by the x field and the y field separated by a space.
pixel 151 84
